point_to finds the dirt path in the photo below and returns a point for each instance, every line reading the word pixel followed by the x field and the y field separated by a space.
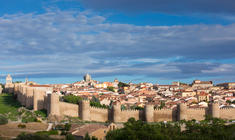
pixel 87 128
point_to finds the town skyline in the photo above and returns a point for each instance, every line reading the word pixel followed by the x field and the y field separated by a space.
pixel 77 79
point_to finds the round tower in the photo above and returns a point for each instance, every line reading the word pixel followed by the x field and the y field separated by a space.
pixel 149 113
pixel 53 104
pixel 117 112
pixel 214 110
pixel 182 111
pixel 85 110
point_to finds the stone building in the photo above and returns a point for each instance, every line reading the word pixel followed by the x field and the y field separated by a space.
pixel 8 79
pixel 9 86
pixel 197 84
pixel 202 96
pixel 227 85
pixel 87 78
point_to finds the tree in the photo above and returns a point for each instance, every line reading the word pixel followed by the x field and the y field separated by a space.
pixel 87 137
pixel 111 89
pixel 72 99
pixel 228 101
pixel 121 85
pixel 123 107
pixel 94 99
pixel 111 104
pixel 70 137
pixel 162 105
pixel 24 136
pixel 96 103
pixel 209 129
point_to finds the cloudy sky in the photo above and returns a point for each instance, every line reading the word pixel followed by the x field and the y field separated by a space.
pixel 158 41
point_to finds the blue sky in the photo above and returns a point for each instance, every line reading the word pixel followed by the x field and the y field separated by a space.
pixel 158 41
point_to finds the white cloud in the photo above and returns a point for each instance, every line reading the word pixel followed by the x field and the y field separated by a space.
pixel 70 42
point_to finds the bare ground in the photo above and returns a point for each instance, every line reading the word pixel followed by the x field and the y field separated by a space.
pixel 11 130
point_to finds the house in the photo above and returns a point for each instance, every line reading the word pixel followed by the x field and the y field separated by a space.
pixel 202 96
pixel 197 84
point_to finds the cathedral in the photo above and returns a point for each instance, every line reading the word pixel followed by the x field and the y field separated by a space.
pixel 87 78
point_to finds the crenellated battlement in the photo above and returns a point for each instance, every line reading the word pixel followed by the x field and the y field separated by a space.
pixel 196 109
pixel 163 109
pixel 86 101
pixel 227 108
pixel 130 110
pixel 98 108
pixel 39 99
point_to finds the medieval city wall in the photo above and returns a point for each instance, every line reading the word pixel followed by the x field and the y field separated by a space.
pixel 196 113
pixel 163 115
pixel 30 97
pixel 67 109
pixel 37 99
pixel 99 114
pixel 126 114
pixel 227 113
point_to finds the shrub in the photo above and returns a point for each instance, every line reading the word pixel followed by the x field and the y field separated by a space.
pixel 24 136
pixel 88 137
pixel 52 132
pixel 67 126
pixel 21 126
pixel 69 137
pixel 64 133
pixel 29 117
pixel 59 127
pixel 41 113
pixel 3 120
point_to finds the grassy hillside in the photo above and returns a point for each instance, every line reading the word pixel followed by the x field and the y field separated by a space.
pixel 9 107
pixel 13 111
pixel 8 104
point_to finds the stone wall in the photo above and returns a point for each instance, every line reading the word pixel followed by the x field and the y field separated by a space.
pixel 163 115
pixel 227 113
pixel 126 114
pixel 31 97
pixel 38 99
pixel 196 113
pixel 98 114
pixel 67 109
